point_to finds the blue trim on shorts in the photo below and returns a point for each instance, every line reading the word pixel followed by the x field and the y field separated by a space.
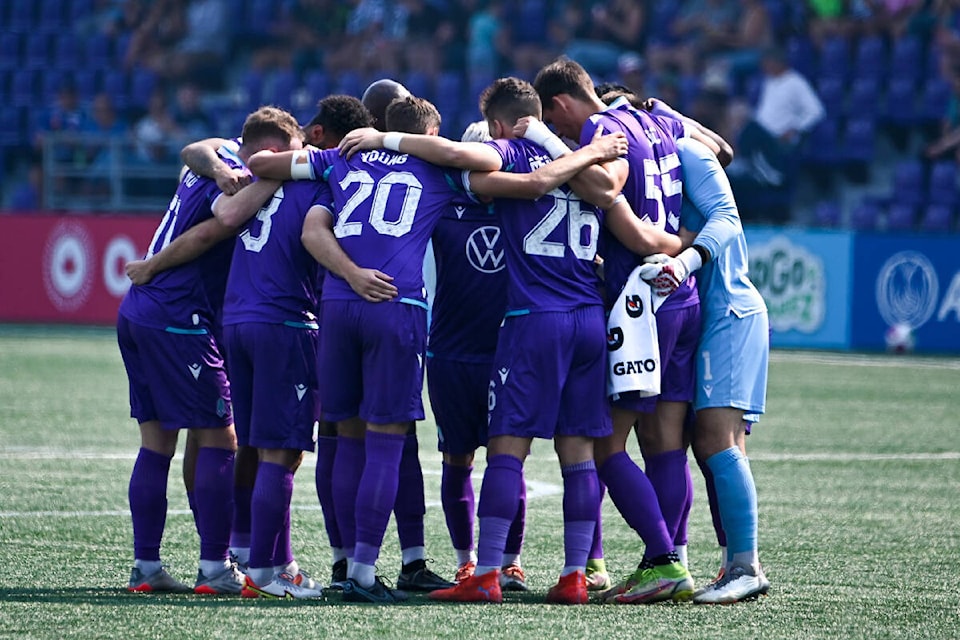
pixel 186 332
pixel 429 354
pixel 301 325
pixel 414 302
pixel 516 312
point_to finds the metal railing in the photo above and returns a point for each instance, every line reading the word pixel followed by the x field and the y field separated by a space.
pixel 97 172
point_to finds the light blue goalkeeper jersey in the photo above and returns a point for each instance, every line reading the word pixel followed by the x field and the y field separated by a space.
pixel 710 210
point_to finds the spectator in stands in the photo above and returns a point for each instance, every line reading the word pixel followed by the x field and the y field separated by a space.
pixel 602 32
pixel 188 113
pixel 64 115
pixel 488 41
pixel 106 125
pixel 301 36
pixel 156 133
pixel 745 44
pixel 768 147
pixel 702 29
pixel 371 42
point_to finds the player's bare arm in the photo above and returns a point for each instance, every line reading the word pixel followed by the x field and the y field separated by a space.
pixel 599 183
pixel 188 246
pixel 201 157
pixel 530 186
pixel 474 156
pixel 233 211
pixel 278 165
pixel 640 237
pixel 318 238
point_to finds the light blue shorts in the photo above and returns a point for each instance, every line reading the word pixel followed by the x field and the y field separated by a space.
pixel 732 363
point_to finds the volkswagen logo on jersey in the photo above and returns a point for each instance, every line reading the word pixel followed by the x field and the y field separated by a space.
pixel 907 289
pixel 484 251
pixel 634 306
pixel 614 339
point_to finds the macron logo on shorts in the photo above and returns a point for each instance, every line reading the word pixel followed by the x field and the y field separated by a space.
pixel 195 370
pixel 301 390
pixel 708 389
pixel 503 375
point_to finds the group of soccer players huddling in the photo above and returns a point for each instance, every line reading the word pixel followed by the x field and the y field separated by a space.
pixel 281 308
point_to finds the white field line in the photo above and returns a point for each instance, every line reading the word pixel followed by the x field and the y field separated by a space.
pixel 535 489
pixel 862 360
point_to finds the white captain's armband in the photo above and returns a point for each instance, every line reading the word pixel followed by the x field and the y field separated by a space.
pixel 391 140
pixel 300 167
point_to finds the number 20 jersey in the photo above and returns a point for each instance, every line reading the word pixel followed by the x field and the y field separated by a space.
pixel 550 242
pixel 387 206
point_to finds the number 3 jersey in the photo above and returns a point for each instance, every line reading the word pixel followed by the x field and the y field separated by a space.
pixel 550 243
pixel 386 206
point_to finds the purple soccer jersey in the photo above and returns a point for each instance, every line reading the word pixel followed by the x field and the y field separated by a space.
pixel 653 188
pixel 550 243
pixel 471 295
pixel 387 206
pixel 186 297
pixel 273 278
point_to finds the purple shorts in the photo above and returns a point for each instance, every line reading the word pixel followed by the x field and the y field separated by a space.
pixel 176 378
pixel 548 376
pixel 273 370
pixel 458 396
pixel 678 332
pixel 371 360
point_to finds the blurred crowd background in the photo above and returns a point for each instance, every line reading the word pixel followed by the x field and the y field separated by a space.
pixel 843 113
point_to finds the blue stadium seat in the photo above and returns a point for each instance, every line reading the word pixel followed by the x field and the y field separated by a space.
pixel 120 47
pixel 419 84
pixel 66 51
pixel 11 127
pixel 20 17
pixel 901 217
pixel 350 83
pixel 50 83
pixel 689 89
pixel 53 16
pixel 863 97
pixel 36 53
pixel 821 150
pixel 870 58
pixel 250 89
pixel 859 139
pixel 9 50
pixel 23 88
pixel 80 9
pixel 865 216
pixel 117 84
pixel 662 15
pixel 142 83
pixel 907 57
pixel 99 51
pixel 802 55
pixel 279 88
pixel 909 182
pixel 317 85
pixel 530 26
pixel 827 213
pixel 448 95
pixel 832 92
pixel 900 102
pixel 935 99
pixel 943 183
pixel 937 218
pixel 834 58
pixel 86 82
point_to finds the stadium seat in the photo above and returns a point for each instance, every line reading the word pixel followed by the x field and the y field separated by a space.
pixel 120 48
pixel 870 59
pixel 316 85
pixel 689 89
pixel 802 55
pixel 66 51
pixel 935 99
pixel 99 51
pixel 530 26
pixel 832 91
pixel 11 127
pixel 863 97
pixel 53 16
pixel 834 58
pixel 937 218
pixel 9 50
pixel 906 58
pixel 859 140
pixel 20 18
pixel 50 83
pixel 901 217
pixel 36 51
pixel 448 96
pixel 142 83
pixel 250 90
pixel 821 150
pixel 350 83
pixel 827 213
pixel 23 87
pixel 116 83
pixel 419 84
pixel 279 88
pixel 909 182
pixel 865 216
pixel 662 15
pixel 900 102
pixel 86 83
pixel 80 9
pixel 943 183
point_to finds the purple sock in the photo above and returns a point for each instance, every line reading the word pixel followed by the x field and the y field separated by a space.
pixel 347 469
pixel 214 497
pixel 269 508
pixel 682 526
pixel 240 531
pixel 581 495
pixel 518 526
pixel 596 549
pixel 192 503
pixel 502 482
pixel 148 503
pixel 714 505
pixel 410 506
pixel 377 493
pixel 636 500
pixel 457 498
pixel 326 454
pixel 669 474
pixel 283 550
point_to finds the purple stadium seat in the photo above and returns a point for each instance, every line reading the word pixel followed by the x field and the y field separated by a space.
pixel 827 213
pixel 865 216
pixel 901 217
pixel 937 218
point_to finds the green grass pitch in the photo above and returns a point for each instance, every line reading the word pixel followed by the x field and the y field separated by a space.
pixel 857 465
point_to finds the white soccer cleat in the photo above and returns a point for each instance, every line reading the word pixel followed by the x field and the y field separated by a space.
pixel 282 587
pixel 738 584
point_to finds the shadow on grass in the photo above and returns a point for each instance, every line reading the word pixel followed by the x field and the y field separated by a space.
pixel 122 597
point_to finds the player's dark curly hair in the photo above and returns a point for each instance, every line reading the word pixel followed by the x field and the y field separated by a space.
pixel 610 91
pixel 509 99
pixel 340 114
pixel 411 115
